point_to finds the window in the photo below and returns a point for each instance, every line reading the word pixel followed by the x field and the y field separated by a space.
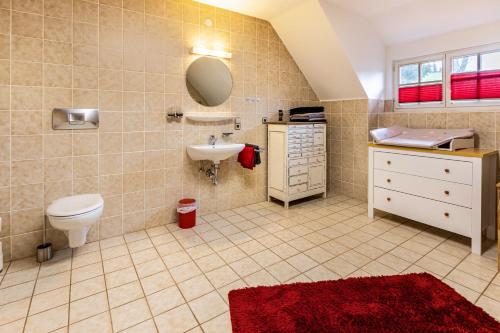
pixel 471 78
pixel 475 77
pixel 420 83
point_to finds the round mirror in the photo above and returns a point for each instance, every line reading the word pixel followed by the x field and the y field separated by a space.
pixel 209 81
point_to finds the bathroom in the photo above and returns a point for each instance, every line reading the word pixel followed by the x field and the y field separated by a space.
pixel 135 269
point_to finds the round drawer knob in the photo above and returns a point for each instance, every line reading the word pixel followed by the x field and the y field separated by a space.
pixel 446 192
pixel 388 199
pixel 388 180
pixel 446 170
pixel 446 214
pixel 388 162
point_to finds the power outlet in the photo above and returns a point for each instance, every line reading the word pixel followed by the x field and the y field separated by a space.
pixel 265 120
pixel 237 123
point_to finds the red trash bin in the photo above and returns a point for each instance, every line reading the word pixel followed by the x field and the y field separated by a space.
pixel 186 211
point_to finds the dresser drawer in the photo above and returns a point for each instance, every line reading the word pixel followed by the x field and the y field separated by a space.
pixel 437 168
pixel 298 170
pixel 454 193
pixel 297 189
pixel 296 180
pixel 435 213
pixel 296 162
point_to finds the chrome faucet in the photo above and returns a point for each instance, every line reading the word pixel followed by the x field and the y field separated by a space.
pixel 212 140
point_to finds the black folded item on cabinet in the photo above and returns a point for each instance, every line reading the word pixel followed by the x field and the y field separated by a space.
pixel 306 109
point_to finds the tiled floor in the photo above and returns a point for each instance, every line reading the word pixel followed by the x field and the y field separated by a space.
pixel 172 280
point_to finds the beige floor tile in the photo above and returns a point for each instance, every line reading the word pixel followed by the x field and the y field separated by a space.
pixel 49 300
pixel 376 268
pixel 156 282
pixel 224 291
pixel 124 294
pixel 52 282
pixel 195 287
pixel 209 263
pixel 86 272
pixel 394 262
pixel 130 314
pixel 14 311
pixel 469 294
pixel 22 264
pixel 117 263
pixel 17 292
pixel 222 276
pixel 114 252
pixel 12 279
pixel 147 326
pixel 321 273
pixel 100 323
pixel 185 272
pixel 467 280
pixel 144 256
pixel 220 324
pixel 260 278
pixel 47 321
pixel 88 307
pixel 120 277
pixel 208 306
pixel 111 242
pixel 86 259
pixel 165 300
pixel 232 254
pixel 150 268
pixel 340 266
pixel 490 306
pixel 245 266
pixel 301 262
pixel 176 259
pixel 87 287
pixel 14 327
pixel 282 271
pixel 266 258
pixel 493 292
pixel 477 270
pixel 251 247
pixel 177 320
pixel 284 250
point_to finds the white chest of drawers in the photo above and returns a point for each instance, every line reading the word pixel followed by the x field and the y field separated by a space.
pixel 296 161
pixel 454 191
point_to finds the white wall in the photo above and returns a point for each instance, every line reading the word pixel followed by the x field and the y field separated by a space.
pixel 317 50
pixel 364 48
pixel 477 36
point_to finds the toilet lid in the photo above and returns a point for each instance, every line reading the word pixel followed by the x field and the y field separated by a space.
pixel 74 205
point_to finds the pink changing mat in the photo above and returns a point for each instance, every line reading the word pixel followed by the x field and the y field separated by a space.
pixel 419 138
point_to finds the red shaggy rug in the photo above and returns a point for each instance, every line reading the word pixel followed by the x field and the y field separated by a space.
pixel 399 303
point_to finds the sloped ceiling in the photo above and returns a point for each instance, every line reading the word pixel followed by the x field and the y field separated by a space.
pixel 360 29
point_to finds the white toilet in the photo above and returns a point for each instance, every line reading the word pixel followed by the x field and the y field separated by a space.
pixel 75 215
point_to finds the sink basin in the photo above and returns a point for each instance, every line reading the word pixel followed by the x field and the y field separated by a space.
pixel 214 153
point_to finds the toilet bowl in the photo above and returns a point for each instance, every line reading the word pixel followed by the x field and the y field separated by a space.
pixel 75 215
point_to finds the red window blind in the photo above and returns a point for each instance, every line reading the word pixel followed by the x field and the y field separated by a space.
pixel 418 94
pixel 478 85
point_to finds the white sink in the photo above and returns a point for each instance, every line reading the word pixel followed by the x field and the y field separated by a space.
pixel 214 153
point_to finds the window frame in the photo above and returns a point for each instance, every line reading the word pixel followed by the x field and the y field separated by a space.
pixel 492 48
pixel 446 58
pixel 419 61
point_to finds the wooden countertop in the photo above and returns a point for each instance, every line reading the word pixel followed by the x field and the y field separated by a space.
pixel 467 152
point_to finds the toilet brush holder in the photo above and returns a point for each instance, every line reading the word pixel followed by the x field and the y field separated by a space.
pixel 44 252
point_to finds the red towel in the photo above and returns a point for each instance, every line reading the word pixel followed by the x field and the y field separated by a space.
pixel 246 157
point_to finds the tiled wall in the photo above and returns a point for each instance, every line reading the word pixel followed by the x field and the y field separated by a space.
pixel 128 58
pixel 348 124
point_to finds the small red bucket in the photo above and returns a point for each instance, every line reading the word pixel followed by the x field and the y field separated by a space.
pixel 186 211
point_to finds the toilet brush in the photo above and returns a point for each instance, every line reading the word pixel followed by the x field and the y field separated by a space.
pixel 44 250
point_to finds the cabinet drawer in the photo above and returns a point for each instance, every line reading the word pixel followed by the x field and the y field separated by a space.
pixel 296 180
pixel 317 159
pixel 297 189
pixel 438 168
pixel 438 214
pixel 454 193
pixel 298 170
pixel 299 161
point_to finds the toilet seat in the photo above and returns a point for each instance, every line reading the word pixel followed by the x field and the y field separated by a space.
pixel 75 206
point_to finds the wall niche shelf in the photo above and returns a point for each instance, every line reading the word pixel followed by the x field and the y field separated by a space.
pixel 209 117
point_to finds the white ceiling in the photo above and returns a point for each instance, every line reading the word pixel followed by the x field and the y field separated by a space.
pixel 395 21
